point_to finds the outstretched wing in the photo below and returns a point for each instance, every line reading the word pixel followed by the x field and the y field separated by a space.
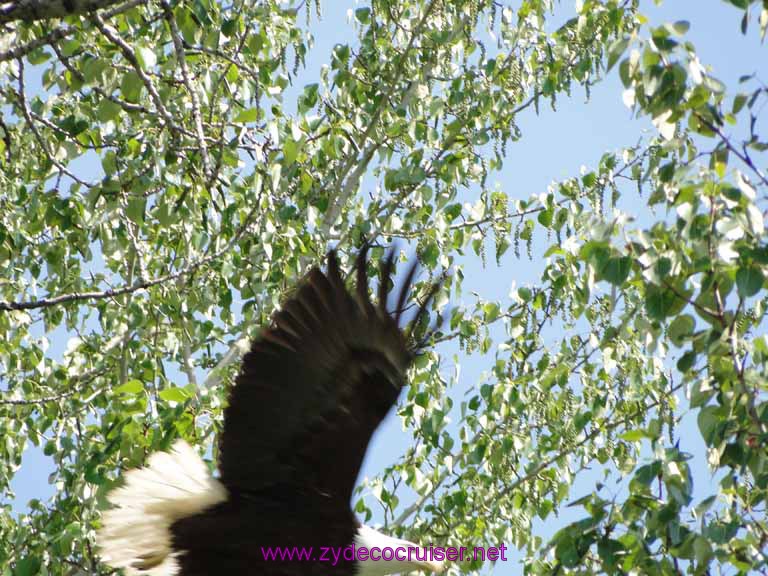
pixel 315 385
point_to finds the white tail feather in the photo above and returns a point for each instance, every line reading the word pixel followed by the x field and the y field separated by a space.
pixel 136 534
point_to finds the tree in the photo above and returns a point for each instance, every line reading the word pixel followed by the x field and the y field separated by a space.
pixel 221 181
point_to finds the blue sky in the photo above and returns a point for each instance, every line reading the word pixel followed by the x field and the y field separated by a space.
pixel 555 144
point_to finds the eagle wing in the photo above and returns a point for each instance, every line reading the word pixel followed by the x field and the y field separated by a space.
pixel 315 385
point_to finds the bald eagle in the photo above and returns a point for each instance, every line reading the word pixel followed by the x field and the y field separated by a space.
pixel 311 391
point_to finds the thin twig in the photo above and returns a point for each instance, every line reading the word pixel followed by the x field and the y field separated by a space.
pixel 536 470
pixel 129 289
pixel 61 33
pixel 351 183
pixel 741 155
pixel 125 105
pixel 187 80
pixel 129 54
pixel 22 98
pixel 81 378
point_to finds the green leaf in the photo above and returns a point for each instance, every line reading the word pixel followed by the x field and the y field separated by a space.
pixel 659 302
pixel 711 424
pixel 290 151
pixel 686 361
pixel 702 550
pixel 247 115
pixel 27 566
pixel 146 57
pixel 108 110
pixel 681 328
pixel 132 387
pixel 616 50
pixel 681 27
pixel 93 69
pixel 704 505
pixel 738 103
pixel 135 209
pixel 429 254
pixel 109 163
pixel 633 435
pixel 490 312
pixel 174 394
pixel 131 87
pixel 38 56
pixel 701 393
pixel 477 454
pixel 616 270
pixel 648 473
pixel 749 281
pixel 363 15
pixel 566 551
pixel 308 98
pixel 611 552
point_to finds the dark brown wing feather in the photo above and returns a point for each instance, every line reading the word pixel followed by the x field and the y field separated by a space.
pixel 315 386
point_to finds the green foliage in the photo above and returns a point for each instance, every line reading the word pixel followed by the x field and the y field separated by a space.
pixel 160 191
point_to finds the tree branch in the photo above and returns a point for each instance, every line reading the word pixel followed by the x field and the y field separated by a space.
pixel 236 350
pixel 345 191
pixel 60 33
pixel 129 54
pixel 129 289
pixel 22 98
pixel 187 80
pixel 540 467
pixel 31 10
pixel 73 382
pixel 742 155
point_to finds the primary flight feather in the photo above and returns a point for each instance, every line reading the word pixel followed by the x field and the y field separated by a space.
pixel 311 391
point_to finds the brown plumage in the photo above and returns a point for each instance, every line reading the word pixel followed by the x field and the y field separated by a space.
pixel 311 391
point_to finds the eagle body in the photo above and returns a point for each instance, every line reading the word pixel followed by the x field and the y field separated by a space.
pixel 310 393
pixel 224 539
